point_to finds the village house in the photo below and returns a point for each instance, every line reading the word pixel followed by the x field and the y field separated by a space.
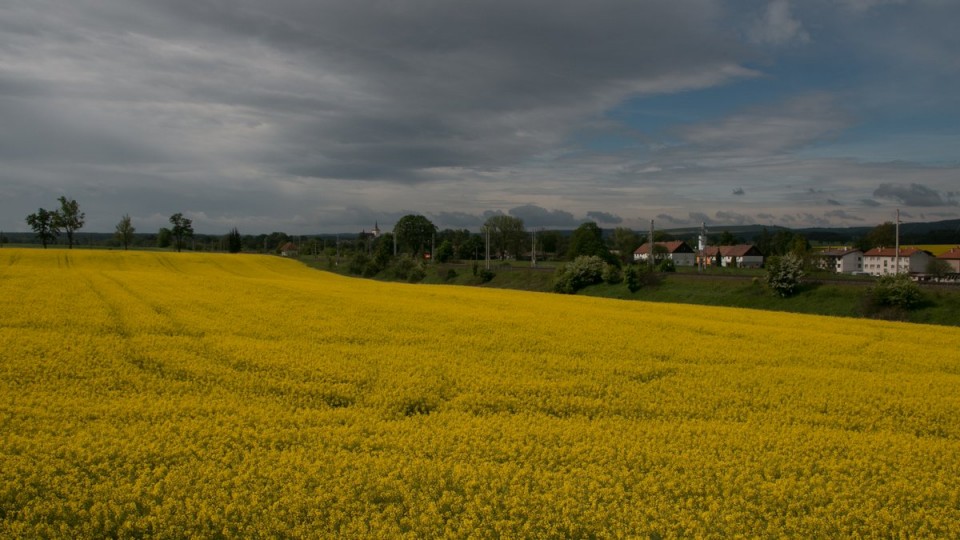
pixel 289 250
pixel 953 259
pixel 739 256
pixel 842 261
pixel 883 261
pixel 679 252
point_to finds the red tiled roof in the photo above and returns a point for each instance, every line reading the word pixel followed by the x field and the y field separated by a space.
pixel 732 251
pixel 953 254
pixel 839 252
pixel 289 246
pixel 892 252
pixel 672 247
pixel 738 250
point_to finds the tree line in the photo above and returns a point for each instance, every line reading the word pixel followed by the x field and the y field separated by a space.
pixel 506 236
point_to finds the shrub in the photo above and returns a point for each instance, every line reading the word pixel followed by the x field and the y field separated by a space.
pixel 638 277
pixel 358 264
pixel 402 267
pixel 448 274
pixel 666 265
pixel 612 274
pixel 896 291
pixel 583 271
pixel 784 274
pixel 486 276
pixel 416 274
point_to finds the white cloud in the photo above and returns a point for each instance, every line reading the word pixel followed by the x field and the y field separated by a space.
pixel 778 26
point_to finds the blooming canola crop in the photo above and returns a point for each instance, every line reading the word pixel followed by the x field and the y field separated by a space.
pixel 202 395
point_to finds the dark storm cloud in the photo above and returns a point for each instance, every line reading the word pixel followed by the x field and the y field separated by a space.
pixel 458 220
pixel 389 92
pixel 535 216
pixel 604 217
pixel 913 195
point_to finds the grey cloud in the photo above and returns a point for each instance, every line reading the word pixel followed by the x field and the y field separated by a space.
pixel 700 217
pixel 733 218
pixel 765 216
pixel 870 202
pixel 765 130
pixel 738 191
pixel 672 219
pixel 913 195
pixel 536 216
pixel 834 202
pixel 604 217
pixel 842 215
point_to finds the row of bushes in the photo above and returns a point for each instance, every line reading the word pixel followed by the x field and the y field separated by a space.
pixel 589 270
pixel 406 269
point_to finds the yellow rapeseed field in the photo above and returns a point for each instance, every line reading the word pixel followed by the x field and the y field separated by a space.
pixel 196 395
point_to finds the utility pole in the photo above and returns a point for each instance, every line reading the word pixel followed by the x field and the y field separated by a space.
pixel 533 252
pixel 487 243
pixel 650 256
pixel 896 257
pixel 702 246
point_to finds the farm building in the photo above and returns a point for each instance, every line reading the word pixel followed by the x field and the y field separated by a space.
pixel 679 252
pixel 739 256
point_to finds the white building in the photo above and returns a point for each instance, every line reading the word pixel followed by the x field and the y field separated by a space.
pixel 842 261
pixel 953 259
pixel 882 261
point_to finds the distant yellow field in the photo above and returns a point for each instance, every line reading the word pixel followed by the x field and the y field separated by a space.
pixel 936 249
pixel 190 395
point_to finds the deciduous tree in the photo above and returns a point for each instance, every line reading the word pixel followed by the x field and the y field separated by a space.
pixel 587 240
pixel 182 228
pixel 414 232
pixel 44 223
pixel 69 218
pixel 125 231
pixel 507 235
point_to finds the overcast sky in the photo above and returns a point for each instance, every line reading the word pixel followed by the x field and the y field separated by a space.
pixel 310 116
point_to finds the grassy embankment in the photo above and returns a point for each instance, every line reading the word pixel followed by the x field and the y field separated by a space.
pixel 842 296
